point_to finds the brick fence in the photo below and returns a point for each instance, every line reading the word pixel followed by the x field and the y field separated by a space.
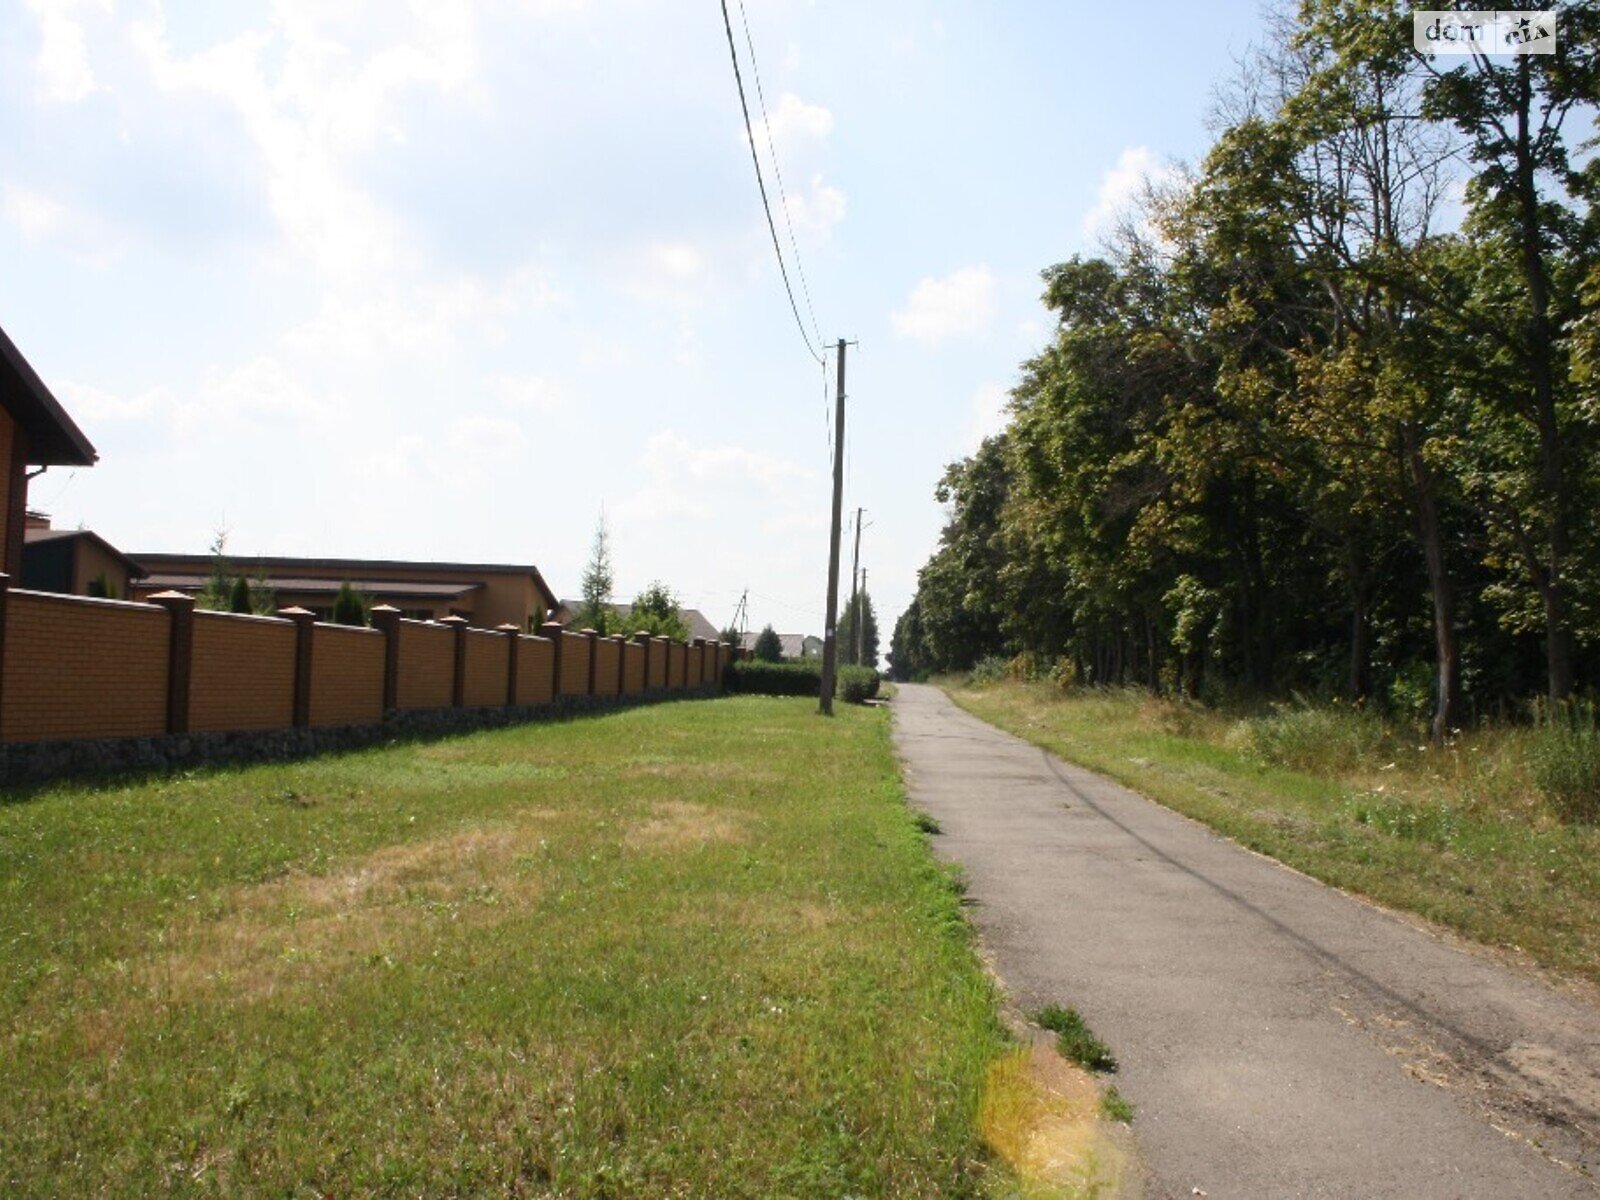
pixel 79 669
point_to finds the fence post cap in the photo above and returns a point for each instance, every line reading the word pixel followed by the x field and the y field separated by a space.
pixel 508 627
pixel 173 599
pixel 589 632
pixel 385 608
pixel 295 612
pixel 453 621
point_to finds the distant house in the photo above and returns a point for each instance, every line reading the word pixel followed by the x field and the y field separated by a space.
pixel 486 594
pixel 795 645
pixel 74 562
pixel 699 627
pixel 35 431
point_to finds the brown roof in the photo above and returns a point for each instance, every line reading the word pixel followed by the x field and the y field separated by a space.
pixel 353 566
pixel 32 536
pixel 794 644
pixel 383 588
pixel 53 438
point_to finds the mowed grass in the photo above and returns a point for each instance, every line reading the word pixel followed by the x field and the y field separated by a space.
pixel 1457 833
pixel 696 949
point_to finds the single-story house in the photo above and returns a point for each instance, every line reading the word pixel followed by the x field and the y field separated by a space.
pixel 35 432
pixel 486 594
pixel 75 562
pixel 699 626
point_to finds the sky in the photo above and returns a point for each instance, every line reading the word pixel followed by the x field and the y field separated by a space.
pixel 452 280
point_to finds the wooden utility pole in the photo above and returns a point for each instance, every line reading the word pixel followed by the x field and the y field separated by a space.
pixel 860 637
pixel 830 647
pixel 855 569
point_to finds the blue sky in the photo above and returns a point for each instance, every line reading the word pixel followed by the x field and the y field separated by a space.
pixel 446 280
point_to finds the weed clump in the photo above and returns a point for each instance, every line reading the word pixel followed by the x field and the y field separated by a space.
pixel 1320 739
pixel 1564 759
pixel 1074 1039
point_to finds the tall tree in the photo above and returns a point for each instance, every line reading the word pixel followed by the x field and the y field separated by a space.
pixel 597 612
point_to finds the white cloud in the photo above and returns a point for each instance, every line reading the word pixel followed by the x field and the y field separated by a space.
pixel 34 213
pixel 793 119
pixel 989 413
pixel 532 393
pixel 65 76
pixel 816 212
pixel 685 479
pixel 1122 185
pixel 91 404
pixel 963 302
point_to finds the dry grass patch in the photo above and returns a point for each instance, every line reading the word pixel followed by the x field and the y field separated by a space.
pixel 680 825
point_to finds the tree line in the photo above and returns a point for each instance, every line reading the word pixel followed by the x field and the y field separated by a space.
pixel 1325 413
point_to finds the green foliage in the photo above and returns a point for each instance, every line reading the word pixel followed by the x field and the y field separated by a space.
pixel 768 678
pixel 1565 761
pixel 1114 1108
pixel 1074 1040
pixel 769 646
pixel 1255 456
pixel 351 607
pixel 597 612
pixel 845 637
pixel 239 598
pixel 992 668
pixel 655 611
pixel 1314 737
pixel 102 588
pixel 216 595
pixel 856 685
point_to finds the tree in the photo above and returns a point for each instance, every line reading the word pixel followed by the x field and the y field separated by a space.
pixel 732 636
pixel 846 633
pixel 769 646
pixel 239 599
pixel 655 611
pixel 597 612
pixel 350 607
pixel 102 587
pixel 217 593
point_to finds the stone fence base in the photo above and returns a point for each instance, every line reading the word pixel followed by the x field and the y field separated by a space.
pixel 34 762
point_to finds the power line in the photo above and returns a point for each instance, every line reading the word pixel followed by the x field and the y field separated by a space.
pixel 761 182
pixel 777 171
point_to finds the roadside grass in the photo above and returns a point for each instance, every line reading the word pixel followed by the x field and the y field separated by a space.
pixel 1458 834
pixel 1075 1042
pixel 692 949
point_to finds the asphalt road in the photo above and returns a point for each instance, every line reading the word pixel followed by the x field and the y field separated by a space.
pixel 1276 1036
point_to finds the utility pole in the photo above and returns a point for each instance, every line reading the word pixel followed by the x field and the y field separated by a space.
pixel 830 648
pixel 861 638
pixel 855 610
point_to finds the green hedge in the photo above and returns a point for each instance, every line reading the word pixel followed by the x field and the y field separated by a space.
pixel 856 684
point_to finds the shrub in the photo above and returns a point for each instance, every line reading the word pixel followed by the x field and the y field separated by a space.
pixel 239 599
pixel 775 678
pixel 993 669
pixel 1564 758
pixel 350 607
pixel 1311 738
pixel 856 684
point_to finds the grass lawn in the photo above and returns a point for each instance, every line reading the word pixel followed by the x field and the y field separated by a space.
pixel 1457 833
pixel 695 949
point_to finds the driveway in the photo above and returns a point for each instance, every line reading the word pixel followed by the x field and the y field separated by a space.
pixel 1277 1037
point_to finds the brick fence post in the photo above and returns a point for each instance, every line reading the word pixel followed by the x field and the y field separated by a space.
pixel 458 685
pixel 622 657
pixel 512 633
pixel 386 620
pixel 643 638
pixel 593 636
pixel 699 655
pixel 552 631
pixel 180 657
pixel 5 592
pixel 305 628
pixel 666 654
